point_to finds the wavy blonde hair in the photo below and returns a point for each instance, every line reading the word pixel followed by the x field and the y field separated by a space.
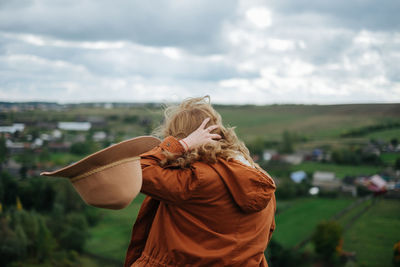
pixel 181 120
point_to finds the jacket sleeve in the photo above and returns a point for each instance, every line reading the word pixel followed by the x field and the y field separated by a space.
pixel 170 184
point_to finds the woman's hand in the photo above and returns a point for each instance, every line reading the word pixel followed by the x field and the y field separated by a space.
pixel 200 136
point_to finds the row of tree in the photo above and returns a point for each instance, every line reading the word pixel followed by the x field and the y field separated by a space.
pixel 370 129
pixel 42 220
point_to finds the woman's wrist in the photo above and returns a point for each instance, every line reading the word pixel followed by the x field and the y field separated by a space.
pixel 184 144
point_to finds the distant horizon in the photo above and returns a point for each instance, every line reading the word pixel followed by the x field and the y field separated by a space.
pixel 175 102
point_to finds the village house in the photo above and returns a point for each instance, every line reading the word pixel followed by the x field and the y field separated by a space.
pixel 99 136
pixel 271 154
pixel 74 126
pixel 371 149
pixel 298 176
pixel 305 153
pixel 38 142
pixel 326 181
pixel 268 154
pixel 294 159
pixel 349 189
pixel 16 147
pixel 16 127
pixel 56 134
pixel 376 183
pixel 317 154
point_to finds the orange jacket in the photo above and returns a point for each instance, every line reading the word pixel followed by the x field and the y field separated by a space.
pixel 218 214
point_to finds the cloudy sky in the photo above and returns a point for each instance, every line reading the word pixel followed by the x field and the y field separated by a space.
pixel 246 51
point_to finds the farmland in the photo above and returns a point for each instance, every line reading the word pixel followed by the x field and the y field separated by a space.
pixel 331 128
pixel 373 235
pixel 298 221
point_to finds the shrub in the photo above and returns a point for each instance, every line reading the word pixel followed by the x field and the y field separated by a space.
pixel 277 255
pixel 326 239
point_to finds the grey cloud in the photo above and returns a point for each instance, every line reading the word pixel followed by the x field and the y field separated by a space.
pixel 327 29
pixel 365 14
pixel 194 25
pixel 127 61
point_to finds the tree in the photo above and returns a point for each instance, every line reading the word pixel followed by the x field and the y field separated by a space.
pixel 8 189
pixel 11 246
pixel 397 164
pixel 19 204
pixel 277 255
pixel 396 254
pixel 22 240
pixel 287 142
pixel 75 232
pixel 327 238
pixel 256 147
pixel 394 142
pixel 34 234
pixel 286 189
pixel 84 148
pixel 3 150
pixel 45 242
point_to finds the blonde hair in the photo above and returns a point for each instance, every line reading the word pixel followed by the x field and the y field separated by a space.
pixel 181 120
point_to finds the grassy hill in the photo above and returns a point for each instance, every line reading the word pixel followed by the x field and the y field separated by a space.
pixel 315 122
pixel 300 216
pixel 374 234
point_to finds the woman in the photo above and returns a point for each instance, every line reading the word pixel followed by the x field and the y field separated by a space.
pixel 208 203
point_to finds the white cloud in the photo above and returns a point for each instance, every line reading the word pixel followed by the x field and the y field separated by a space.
pixel 38 40
pixel 297 67
pixel 280 44
pixel 259 16
pixel 172 53
pixel 252 52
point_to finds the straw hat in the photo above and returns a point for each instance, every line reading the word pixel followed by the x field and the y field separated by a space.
pixel 110 178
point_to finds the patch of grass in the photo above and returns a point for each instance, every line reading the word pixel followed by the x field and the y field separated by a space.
pixel 313 121
pixel 282 205
pixel 385 135
pixel 340 170
pixel 346 218
pixel 374 234
pixel 298 221
pixel 110 238
pixel 390 158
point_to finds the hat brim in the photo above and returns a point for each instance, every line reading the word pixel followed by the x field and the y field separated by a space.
pixel 112 177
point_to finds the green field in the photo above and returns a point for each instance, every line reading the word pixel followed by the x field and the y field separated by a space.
pixel 386 135
pixel 300 216
pixel 340 170
pixel 110 238
pixel 346 219
pixel 390 158
pixel 296 221
pixel 313 121
pixel 374 234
